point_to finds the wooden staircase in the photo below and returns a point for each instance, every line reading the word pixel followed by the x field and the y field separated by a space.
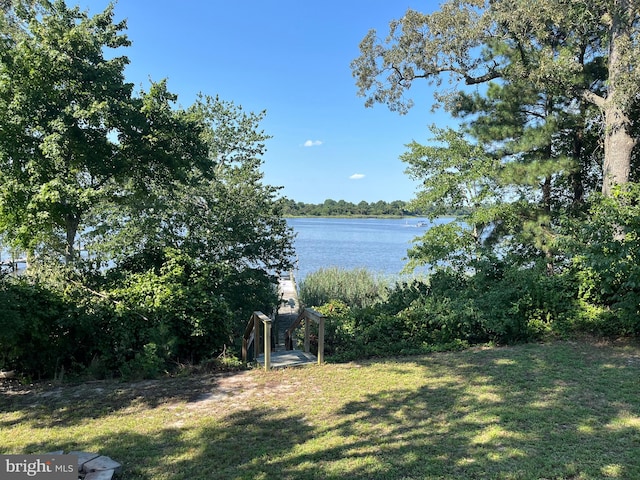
pixel 280 332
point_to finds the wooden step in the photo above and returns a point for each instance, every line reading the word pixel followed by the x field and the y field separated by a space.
pixel 289 358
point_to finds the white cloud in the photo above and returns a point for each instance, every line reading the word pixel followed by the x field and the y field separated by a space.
pixel 357 176
pixel 312 143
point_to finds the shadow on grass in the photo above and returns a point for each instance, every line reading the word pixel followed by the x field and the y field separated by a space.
pixel 532 412
pixel 48 406
pixel 562 411
pixel 237 446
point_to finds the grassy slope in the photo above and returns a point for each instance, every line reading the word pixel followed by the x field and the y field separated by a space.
pixel 562 410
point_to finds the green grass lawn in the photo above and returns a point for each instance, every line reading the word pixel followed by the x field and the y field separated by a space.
pixel 567 410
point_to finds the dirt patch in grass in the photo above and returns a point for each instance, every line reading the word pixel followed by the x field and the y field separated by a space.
pixel 93 398
pixel 202 389
pixel 197 392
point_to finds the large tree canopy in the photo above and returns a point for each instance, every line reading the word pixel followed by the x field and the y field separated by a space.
pixel 587 51
pixel 218 212
pixel 180 236
pixel 72 134
pixel 61 101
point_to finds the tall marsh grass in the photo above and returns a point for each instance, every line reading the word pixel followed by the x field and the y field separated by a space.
pixel 357 287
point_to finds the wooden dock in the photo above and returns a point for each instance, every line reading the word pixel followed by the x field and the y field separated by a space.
pixel 13 265
pixel 287 313
pixel 288 309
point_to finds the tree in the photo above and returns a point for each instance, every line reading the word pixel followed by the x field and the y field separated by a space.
pixel 182 236
pixel 544 143
pixel 587 50
pixel 363 208
pixel 73 135
pixel 60 102
pixel 456 176
pixel 213 238
pixel 238 219
pixel 217 213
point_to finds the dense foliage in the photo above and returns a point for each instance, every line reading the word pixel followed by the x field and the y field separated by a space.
pixel 542 169
pixel 332 207
pixel 501 303
pixel 149 233
pixel 565 60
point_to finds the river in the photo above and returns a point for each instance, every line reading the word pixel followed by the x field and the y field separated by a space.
pixel 378 244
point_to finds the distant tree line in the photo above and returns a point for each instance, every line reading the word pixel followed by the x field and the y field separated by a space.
pixel 342 208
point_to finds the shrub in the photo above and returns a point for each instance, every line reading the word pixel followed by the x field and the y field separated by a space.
pixel 135 321
pixel 340 328
pixel 148 363
pixel 439 320
pixel 177 308
pixel 42 332
pixel 402 295
pixel 606 251
pixel 520 304
pixel 501 303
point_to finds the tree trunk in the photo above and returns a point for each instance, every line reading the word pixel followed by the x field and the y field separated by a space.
pixel 72 223
pixel 618 146
pixel 618 143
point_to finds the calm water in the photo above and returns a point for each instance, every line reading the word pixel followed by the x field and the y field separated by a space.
pixel 380 245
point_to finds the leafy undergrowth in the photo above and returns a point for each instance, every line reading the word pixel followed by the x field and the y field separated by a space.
pixel 567 410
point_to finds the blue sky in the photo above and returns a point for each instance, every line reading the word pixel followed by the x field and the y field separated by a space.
pixel 290 58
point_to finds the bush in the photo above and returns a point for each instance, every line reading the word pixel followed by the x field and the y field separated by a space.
pixel 148 363
pixel 339 328
pixel 500 303
pixel 43 334
pixel 606 251
pixel 135 321
pixel 177 307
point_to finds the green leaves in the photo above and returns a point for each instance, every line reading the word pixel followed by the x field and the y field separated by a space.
pixel 456 175
pixel 607 257
pixel 551 57
pixel 61 99
pixel 450 244
pixel 180 235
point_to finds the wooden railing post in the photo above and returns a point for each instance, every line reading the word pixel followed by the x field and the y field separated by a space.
pixel 253 328
pixel 256 339
pixel 321 340
pixel 306 335
pixel 244 350
pixel 267 343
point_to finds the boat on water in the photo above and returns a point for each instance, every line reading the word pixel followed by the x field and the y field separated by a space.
pixel 421 223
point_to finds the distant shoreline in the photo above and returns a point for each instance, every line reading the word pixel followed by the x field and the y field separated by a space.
pixel 356 216
pixel 390 217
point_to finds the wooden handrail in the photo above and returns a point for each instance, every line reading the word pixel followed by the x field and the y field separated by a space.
pixel 253 328
pixel 307 315
pixel 252 334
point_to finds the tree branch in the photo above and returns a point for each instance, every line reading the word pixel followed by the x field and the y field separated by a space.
pixel 490 75
pixel 106 297
pixel 593 98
